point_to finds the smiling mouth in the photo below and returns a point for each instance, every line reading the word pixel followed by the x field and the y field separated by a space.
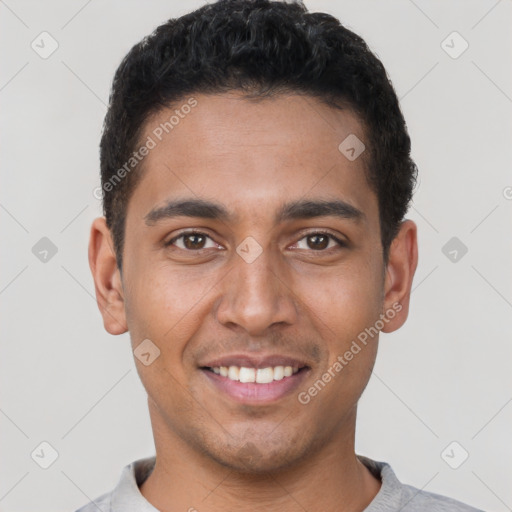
pixel 246 374
pixel 255 386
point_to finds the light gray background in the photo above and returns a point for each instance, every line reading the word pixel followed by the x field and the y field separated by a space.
pixel 445 376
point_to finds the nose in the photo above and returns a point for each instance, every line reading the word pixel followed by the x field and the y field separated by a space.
pixel 256 296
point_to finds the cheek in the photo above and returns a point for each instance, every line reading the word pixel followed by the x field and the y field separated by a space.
pixel 342 308
pixel 342 305
pixel 163 304
pixel 346 298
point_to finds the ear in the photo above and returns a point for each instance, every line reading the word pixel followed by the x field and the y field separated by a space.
pixel 402 263
pixel 107 278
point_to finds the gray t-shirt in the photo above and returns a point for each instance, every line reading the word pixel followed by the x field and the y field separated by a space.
pixel 393 496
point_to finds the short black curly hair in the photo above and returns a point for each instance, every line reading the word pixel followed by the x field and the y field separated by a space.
pixel 261 48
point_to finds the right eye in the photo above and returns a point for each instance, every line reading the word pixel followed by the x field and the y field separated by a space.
pixel 191 241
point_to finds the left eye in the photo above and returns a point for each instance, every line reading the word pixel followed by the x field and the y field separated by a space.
pixel 319 241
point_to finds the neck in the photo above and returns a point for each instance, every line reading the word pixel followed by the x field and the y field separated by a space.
pixel 331 479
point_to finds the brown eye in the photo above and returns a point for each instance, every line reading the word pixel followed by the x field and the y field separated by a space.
pixel 194 241
pixel 318 241
pixel 191 241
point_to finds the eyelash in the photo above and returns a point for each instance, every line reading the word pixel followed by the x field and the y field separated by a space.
pixel 200 233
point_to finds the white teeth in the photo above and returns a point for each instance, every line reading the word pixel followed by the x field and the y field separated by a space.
pixel 247 374
pixel 278 372
pixel 233 372
pixel 260 375
pixel 264 375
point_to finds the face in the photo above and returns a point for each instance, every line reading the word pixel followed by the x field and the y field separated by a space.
pixel 252 252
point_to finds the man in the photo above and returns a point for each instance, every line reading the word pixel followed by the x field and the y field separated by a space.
pixel 256 172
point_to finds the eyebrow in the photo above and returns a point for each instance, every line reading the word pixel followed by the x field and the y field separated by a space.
pixel 295 210
pixel 310 209
pixel 188 208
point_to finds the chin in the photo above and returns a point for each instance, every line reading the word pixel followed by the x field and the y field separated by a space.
pixel 257 457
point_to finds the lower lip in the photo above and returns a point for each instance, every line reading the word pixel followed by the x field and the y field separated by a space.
pixel 250 392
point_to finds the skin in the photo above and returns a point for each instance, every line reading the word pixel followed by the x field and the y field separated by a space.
pixel 299 297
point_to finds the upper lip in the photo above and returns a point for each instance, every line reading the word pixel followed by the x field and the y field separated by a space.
pixel 255 361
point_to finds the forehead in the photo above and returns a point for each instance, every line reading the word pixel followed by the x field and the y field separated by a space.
pixel 252 155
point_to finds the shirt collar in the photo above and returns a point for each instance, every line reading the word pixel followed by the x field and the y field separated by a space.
pixel 127 496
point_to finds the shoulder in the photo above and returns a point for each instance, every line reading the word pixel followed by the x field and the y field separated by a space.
pixel 100 504
pixel 126 495
pixel 416 500
pixel 395 496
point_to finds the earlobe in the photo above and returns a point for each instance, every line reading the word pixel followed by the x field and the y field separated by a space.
pixel 107 278
pixel 402 263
